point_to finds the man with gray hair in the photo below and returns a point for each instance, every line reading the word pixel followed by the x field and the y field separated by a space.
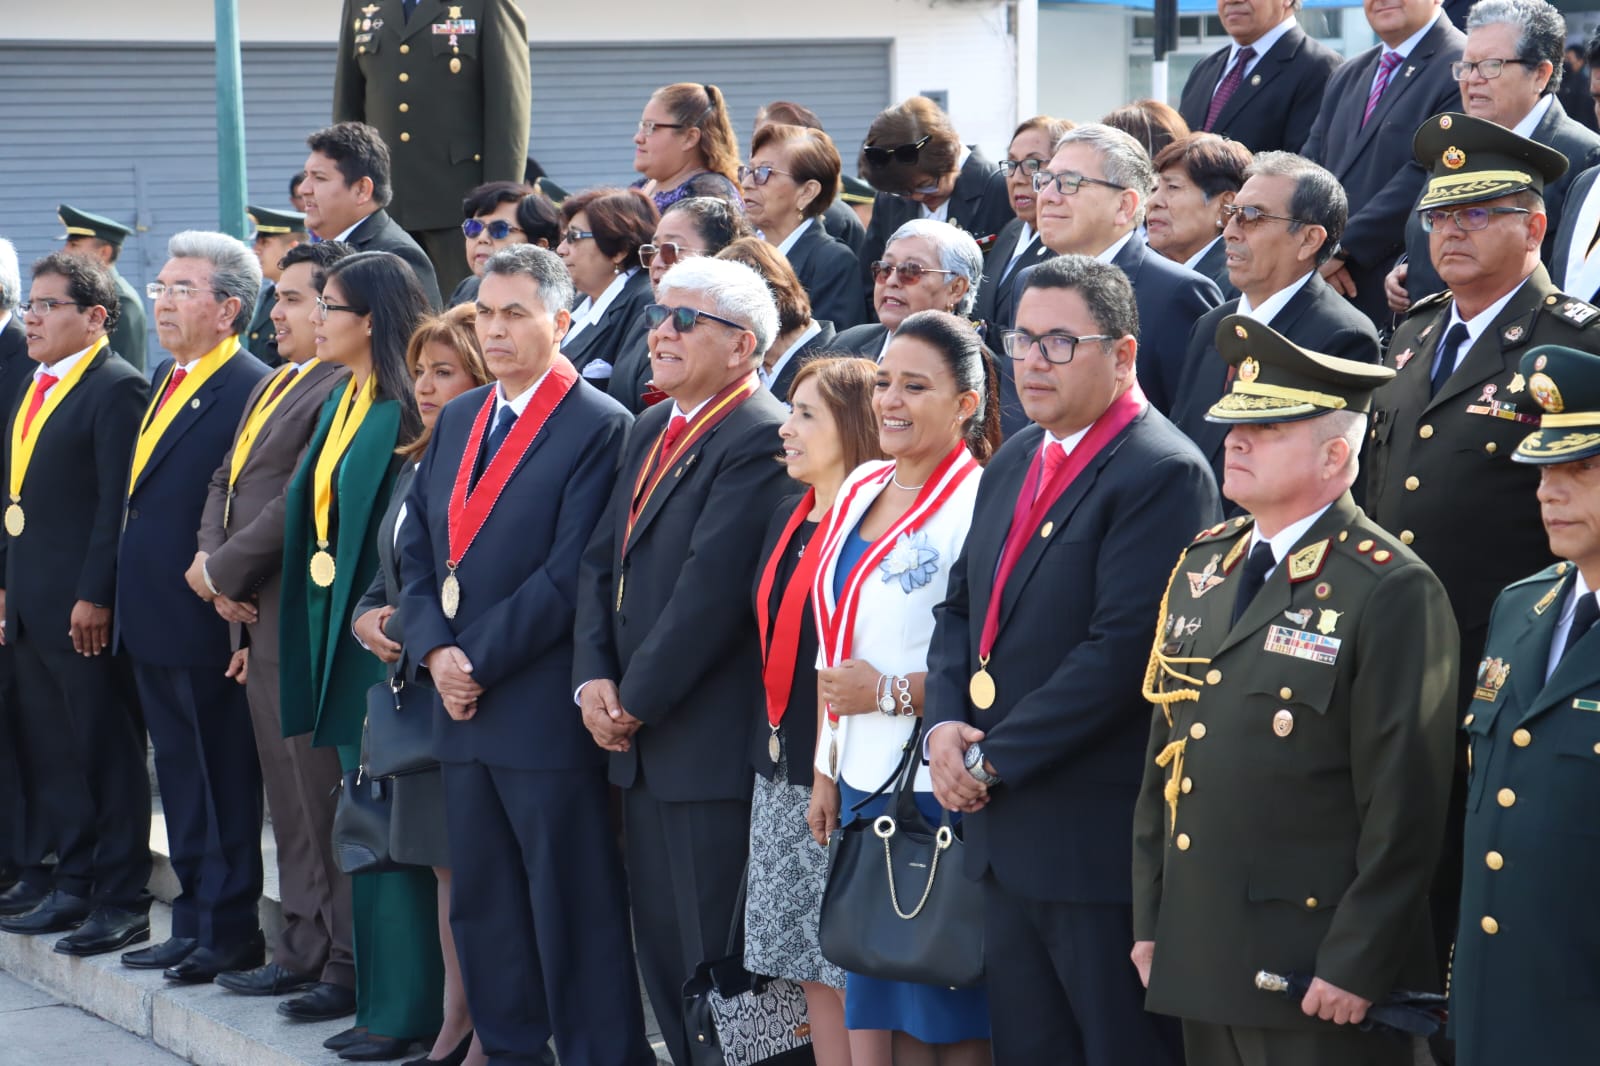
pixel 14 370
pixel 667 665
pixel 1092 200
pixel 490 552
pixel 197 715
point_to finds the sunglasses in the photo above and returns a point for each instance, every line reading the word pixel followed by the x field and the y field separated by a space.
pixel 574 235
pixel 499 229
pixel 910 273
pixel 684 319
pixel 760 175
pixel 669 251
pixel 900 153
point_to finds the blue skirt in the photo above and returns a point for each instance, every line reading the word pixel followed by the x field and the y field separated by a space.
pixel 931 1013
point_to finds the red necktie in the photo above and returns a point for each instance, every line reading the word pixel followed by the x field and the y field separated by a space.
pixel 1053 456
pixel 172 386
pixel 1386 67
pixel 675 429
pixel 41 385
pixel 1229 86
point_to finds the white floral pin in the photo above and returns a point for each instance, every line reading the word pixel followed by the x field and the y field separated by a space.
pixel 912 562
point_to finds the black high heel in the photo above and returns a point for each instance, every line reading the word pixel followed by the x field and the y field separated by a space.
pixel 455 1058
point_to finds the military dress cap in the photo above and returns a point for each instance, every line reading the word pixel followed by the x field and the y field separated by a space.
pixel 271 223
pixel 1471 159
pixel 83 224
pixel 1566 384
pixel 551 191
pixel 852 190
pixel 1279 381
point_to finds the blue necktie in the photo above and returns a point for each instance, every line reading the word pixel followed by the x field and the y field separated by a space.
pixel 409 6
pixel 1583 620
pixel 1449 352
pixel 1255 575
pixel 497 436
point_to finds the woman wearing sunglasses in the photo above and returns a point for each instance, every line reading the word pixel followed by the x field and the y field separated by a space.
pixel 605 230
pixel 685 145
pixel 792 178
pixel 489 222
pixel 926 266
pixel 1018 246
pixel 915 159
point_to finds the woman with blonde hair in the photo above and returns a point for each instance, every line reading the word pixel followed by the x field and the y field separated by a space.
pixel 685 145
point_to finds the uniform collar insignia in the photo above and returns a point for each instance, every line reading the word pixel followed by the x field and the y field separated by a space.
pixel 1307 562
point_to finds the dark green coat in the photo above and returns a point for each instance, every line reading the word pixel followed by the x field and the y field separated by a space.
pixel 261 336
pixel 324 674
pixel 132 335
pixel 1529 992
pixel 1306 836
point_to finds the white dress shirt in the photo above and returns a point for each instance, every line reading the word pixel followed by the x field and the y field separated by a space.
pixel 588 311
pixel 1193 262
pixel 1558 639
pixel 1286 538
pixel 1262 45
pixel 787 244
pixel 1407 46
pixel 1116 246
pixel 1272 305
pixel 769 376
pixel 942 212
pixel 1477 325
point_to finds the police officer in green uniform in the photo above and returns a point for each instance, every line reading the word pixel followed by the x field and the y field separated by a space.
pixel 101 239
pixel 447 85
pixel 1526 982
pixel 276 232
pixel 1303 676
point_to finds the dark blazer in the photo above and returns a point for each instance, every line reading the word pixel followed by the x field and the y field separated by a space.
pixel 159 620
pixel 384 591
pixel 1214 265
pixel 518 581
pixel 604 339
pixel 1579 144
pixel 380 233
pixel 1272 110
pixel 996 302
pixel 1068 727
pixel 1374 162
pixel 1171 298
pixel 799 725
pixel 661 622
pixel 260 336
pixel 1316 318
pixel 844 226
pixel 131 336
pixel 1579 191
pixel 631 374
pixel 68 550
pixel 824 341
pixel 980 205
pixel 16 371
pixel 828 271
pixel 864 340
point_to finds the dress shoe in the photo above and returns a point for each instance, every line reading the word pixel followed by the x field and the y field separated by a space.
pixel 203 964
pixel 378 1048
pixel 57 913
pixel 324 1002
pixel 268 980
pixel 160 956
pixel 21 898
pixel 108 929
pixel 339 1041
pixel 455 1058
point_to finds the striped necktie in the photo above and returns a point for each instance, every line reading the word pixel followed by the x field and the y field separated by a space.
pixel 1386 67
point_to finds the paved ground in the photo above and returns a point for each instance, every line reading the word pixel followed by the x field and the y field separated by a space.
pixel 38 1030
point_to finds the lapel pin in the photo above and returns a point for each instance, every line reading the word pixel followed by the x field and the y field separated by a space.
pixel 1255 79
pixel 195 403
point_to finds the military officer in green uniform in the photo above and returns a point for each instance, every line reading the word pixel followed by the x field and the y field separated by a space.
pixel 447 85
pixel 101 239
pixel 1526 983
pixel 1303 677
pixel 276 232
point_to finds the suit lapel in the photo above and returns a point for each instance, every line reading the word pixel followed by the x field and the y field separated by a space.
pixel 1277 593
pixel 426 12
pixel 298 393
pixel 1531 651
pixel 1259 82
pixel 193 411
pixel 987 540
pixel 968 194
pixel 1400 82
pixel 1030 256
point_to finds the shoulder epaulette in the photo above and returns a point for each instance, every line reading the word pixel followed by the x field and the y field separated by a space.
pixel 1223 528
pixel 1550 573
pixel 1571 310
pixel 1428 303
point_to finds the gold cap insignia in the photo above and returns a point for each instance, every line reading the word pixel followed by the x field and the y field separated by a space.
pixel 1240 332
pixel 1454 158
pixel 1249 369
pixel 1538 364
pixel 1545 392
pixel 1444 122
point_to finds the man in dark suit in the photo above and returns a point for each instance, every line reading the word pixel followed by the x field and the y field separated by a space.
pixel 1091 202
pixel 237 570
pixel 198 718
pixel 447 87
pixel 1300 212
pixel 345 190
pixel 101 239
pixel 1521 97
pixel 1372 107
pixel 666 663
pixel 15 368
pixel 1264 89
pixel 489 557
pixel 79 744
pixel 1035 724
pixel 276 233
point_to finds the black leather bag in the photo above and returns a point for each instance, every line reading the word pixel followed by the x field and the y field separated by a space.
pixel 399 729
pixel 898 906
pixel 361 824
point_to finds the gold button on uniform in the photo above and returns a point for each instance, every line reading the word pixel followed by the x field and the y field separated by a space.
pixel 1187 785
pixel 405 49
pixel 1522 738
pixel 1490 926
pixel 1311 903
pixel 1425 432
pixel 1491 447
pixel 1197 730
pixel 1597 749
pixel 1412 483
pixel 1406 536
pixel 476 158
pixel 404 76
pixel 404 108
pixel 1213 677
pixel 1506 798
pixel 1286 693
pixel 1494 860
pixel 405 136
pixel 455 65
pixel 1468 719
pixel 1183 841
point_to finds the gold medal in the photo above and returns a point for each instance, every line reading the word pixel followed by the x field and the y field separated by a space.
pixel 833 752
pixel 981 688
pixel 774 749
pixel 15 521
pixel 450 595
pixel 322 569
pixel 621 580
pixel 227 508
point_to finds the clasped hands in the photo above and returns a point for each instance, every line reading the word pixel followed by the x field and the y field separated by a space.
pixel 451 671
pixel 603 716
pixel 231 610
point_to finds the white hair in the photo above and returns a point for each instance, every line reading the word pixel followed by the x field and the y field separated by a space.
pixel 958 252
pixel 235 270
pixel 737 292
pixel 1349 426
pixel 10 277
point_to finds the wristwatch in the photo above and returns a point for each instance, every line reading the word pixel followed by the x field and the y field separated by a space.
pixel 974 764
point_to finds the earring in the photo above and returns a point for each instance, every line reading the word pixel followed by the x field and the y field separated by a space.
pixel 1221 225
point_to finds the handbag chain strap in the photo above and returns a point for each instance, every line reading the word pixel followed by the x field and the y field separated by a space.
pixel 942 840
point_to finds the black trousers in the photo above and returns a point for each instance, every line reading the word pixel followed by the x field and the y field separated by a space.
pixel 210 782
pixel 1226 1045
pixel 1062 989
pixel 85 790
pixel 12 851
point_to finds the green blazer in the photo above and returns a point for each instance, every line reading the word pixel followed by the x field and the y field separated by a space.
pixel 323 673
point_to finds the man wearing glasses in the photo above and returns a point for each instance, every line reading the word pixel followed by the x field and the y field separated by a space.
pixel 1284 223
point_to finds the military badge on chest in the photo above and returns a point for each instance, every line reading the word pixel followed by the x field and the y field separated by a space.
pixel 1492 674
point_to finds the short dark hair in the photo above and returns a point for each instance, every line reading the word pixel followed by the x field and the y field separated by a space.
pixel 812 157
pixel 88 283
pixel 357 149
pixel 1318 197
pixel 718 222
pixel 1104 288
pixel 622 220
pixel 1214 164
pixel 907 123
pixel 538 218
pixel 294 185
pixel 490 195
pixel 321 256
pixel 1591 50
pixel 971 364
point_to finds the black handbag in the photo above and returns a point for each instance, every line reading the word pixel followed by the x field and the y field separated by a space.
pixel 735 1018
pixel 399 729
pixel 898 906
pixel 361 824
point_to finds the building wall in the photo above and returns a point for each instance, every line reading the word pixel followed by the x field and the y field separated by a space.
pixel 1083 61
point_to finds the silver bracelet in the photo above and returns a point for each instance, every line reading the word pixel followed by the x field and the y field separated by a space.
pixel 902 686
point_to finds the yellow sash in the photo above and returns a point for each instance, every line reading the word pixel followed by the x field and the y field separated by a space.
pixel 22 447
pixel 258 417
pixel 160 415
pixel 346 421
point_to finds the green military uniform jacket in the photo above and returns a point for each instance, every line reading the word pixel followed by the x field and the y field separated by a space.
pixel 1439 471
pixel 132 335
pixel 449 90
pixel 1525 984
pixel 1294 795
pixel 261 336
pixel 324 673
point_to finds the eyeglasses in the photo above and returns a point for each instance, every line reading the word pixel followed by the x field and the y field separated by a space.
pixel 323 307
pixel 156 290
pixel 759 175
pixel 1247 216
pixel 42 307
pixel 669 251
pixel 1058 348
pixel 1029 167
pixel 499 229
pixel 648 126
pixel 900 153
pixel 684 319
pixel 1488 69
pixel 1068 182
pixel 910 273
pixel 574 235
pixel 1467 219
